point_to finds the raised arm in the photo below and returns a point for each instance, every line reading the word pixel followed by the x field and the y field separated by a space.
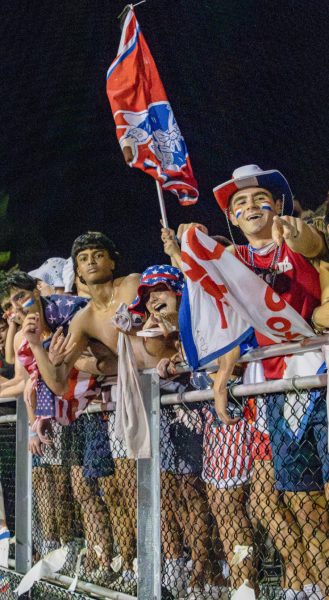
pixel 55 376
pixel 226 366
pixel 321 313
pixel 299 236
pixel 171 242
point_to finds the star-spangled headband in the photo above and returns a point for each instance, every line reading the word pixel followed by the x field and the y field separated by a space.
pixel 172 277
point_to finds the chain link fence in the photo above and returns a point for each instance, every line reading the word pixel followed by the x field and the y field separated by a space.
pixel 7 471
pixel 238 507
pixel 241 502
pixel 85 498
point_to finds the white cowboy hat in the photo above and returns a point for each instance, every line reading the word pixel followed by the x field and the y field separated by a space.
pixel 254 176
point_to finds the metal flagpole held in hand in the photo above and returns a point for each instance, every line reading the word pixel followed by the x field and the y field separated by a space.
pixel 162 205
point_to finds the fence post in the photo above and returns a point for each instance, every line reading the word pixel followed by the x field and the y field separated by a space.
pixel 148 472
pixel 23 502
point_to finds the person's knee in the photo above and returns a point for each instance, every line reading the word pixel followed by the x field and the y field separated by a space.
pixel 82 488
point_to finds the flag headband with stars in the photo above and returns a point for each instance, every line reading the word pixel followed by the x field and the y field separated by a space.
pixel 172 277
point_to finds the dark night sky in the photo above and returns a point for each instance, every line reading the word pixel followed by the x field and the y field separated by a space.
pixel 248 82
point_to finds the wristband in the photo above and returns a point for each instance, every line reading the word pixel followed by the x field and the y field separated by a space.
pixel 32 433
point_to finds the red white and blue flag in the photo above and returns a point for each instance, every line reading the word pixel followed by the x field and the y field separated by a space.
pixel 224 302
pixel 145 124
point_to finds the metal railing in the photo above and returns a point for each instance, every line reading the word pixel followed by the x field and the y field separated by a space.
pixel 148 470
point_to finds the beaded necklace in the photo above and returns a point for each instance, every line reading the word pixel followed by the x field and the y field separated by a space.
pixel 269 273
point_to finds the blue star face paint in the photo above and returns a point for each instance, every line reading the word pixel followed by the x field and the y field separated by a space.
pixel 28 303
pixel 238 213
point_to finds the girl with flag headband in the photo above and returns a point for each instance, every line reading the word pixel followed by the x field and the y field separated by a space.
pixel 157 301
pixel 168 275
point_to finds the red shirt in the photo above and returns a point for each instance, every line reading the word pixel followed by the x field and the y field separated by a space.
pixel 296 281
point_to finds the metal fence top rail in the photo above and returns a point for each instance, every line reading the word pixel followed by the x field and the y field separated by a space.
pixel 283 385
pixel 90 588
pixel 306 345
pixel 255 389
pixel 8 419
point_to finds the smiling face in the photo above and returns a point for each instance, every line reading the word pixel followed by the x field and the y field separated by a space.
pixel 161 301
pixel 95 266
pixel 253 209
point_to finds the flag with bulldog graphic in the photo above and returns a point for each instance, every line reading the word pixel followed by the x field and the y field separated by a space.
pixel 146 128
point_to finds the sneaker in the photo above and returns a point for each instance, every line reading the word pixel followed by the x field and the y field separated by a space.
pixel 48 546
pixel 242 593
pixel 313 592
pixel 195 593
pixel 73 550
pixel 125 585
pixel 174 577
pixel 100 576
pixel 216 592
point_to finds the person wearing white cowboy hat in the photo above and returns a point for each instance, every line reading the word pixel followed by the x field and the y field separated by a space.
pixel 260 203
pixel 253 176
pixel 281 225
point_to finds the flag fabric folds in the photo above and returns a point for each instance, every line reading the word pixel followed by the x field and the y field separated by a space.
pixel 145 124
pixel 224 301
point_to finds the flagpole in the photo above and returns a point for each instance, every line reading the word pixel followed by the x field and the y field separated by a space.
pixel 162 205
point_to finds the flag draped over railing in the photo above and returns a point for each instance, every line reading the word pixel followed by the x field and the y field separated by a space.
pixel 223 302
pixel 145 124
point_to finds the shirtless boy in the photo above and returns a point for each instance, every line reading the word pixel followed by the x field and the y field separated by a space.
pixel 94 261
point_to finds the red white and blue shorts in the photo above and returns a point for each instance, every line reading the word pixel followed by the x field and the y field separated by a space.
pixel 229 451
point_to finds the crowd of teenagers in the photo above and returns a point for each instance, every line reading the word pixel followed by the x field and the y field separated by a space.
pixel 230 470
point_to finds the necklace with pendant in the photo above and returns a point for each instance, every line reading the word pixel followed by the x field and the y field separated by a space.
pixel 268 274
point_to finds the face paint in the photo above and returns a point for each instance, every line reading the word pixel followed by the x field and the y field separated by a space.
pixel 28 303
pixel 266 205
pixel 238 213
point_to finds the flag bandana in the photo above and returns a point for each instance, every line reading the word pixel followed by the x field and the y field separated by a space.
pixel 145 124
pixel 59 310
pixel 224 302
pixel 171 276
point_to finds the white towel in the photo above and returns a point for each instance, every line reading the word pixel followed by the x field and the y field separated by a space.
pixel 131 423
pixel 46 567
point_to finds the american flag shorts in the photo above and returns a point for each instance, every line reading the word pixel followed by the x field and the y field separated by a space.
pixel 227 457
